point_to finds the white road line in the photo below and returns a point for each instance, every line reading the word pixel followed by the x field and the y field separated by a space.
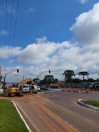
pixel 21 117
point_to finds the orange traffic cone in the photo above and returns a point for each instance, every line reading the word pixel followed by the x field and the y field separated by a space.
pixel 52 94
pixel 69 89
pixel 87 91
pixel 95 91
pixel 83 90
pixel 77 90
pixel 74 90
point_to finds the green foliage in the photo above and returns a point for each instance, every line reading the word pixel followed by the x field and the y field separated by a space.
pixel 35 79
pixel 49 81
pixel 83 73
pixel 3 87
pixel 91 80
pixel 92 102
pixel 9 118
pixel 49 76
pixel 76 80
pixel 68 75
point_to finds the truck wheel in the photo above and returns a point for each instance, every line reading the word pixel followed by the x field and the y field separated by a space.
pixel 6 94
pixel 21 94
pixel 12 95
pixel 35 92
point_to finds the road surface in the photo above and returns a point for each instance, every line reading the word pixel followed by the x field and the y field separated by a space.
pixel 58 112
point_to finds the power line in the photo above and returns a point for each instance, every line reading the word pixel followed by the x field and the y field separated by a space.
pixel 5 33
pixel 15 23
pixel 15 26
pixel 10 29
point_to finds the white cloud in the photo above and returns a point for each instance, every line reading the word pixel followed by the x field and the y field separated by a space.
pixel 79 56
pixel 86 28
pixel 9 8
pixel 1 12
pixel 30 10
pixel 83 1
pixel 2 32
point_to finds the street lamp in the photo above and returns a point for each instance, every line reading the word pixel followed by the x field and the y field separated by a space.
pixel 8 74
pixel 43 72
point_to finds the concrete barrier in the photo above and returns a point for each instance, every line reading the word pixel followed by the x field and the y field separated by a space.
pixel 1 91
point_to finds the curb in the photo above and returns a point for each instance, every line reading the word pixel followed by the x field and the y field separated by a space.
pixel 86 105
pixel 22 117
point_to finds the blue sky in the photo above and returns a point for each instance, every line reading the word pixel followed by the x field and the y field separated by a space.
pixel 47 35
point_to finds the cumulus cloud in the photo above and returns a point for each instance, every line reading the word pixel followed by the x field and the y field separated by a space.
pixel 83 1
pixel 86 28
pixel 79 56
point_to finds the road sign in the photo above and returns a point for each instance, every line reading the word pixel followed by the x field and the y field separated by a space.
pixel 37 81
pixel 0 77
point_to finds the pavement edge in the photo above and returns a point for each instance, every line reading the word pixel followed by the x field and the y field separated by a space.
pixel 22 117
pixel 87 105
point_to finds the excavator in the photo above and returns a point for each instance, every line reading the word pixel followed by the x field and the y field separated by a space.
pixel 32 89
pixel 12 91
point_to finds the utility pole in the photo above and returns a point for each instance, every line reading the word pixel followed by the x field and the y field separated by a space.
pixel 8 74
pixel 23 76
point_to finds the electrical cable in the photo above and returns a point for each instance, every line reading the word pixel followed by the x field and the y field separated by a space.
pixel 15 27
pixel 10 29
pixel 15 23
pixel 5 35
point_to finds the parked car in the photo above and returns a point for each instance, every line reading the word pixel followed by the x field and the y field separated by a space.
pixel 45 88
pixel 41 87
pixel 38 88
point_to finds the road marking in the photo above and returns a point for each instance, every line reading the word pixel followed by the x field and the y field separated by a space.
pixel 60 121
pixel 27 117
pixel 70 112
pixel 45 118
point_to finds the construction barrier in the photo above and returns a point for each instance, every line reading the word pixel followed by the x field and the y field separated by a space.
pixel 87 91
pixel 69 89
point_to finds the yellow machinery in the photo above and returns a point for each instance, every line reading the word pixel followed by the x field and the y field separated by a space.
pixel 54 85
pixel 12 91
pixel 25 81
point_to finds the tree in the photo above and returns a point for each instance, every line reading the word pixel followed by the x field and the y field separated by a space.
pixel 49 77
pixel 83 73
pixel 35 79
pixel 90 80
pixel 68 75
pixel 76 80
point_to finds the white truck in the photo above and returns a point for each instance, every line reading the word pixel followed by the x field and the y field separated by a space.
pixel 28 87
pixel 94 85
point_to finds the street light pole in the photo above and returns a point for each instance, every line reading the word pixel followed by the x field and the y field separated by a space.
pixel 8 74
pixel 43 72
pixel 23 76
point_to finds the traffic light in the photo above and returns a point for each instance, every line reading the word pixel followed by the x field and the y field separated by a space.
pixel 17 70
pixel 49 71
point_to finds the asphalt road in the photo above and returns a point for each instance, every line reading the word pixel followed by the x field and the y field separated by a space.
pixel 58 112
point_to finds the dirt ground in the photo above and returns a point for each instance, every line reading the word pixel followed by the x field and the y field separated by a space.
pixel 57 112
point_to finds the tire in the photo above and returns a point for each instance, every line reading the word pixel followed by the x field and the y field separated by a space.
pixel 12 95
pixel 6 95
pixel 21 94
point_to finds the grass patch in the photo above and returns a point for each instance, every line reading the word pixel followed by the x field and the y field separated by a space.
pixel 91 102
pixel 10 120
